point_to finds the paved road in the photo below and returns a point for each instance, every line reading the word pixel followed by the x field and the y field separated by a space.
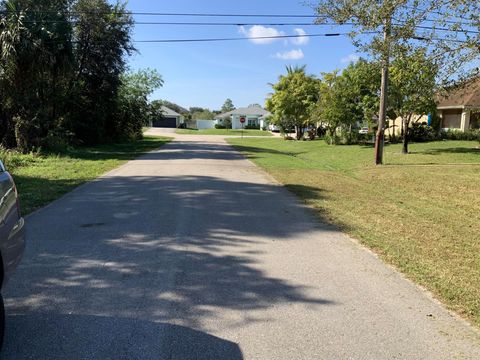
pixel 191 252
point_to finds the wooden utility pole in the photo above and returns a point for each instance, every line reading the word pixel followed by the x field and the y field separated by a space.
pixel 382 116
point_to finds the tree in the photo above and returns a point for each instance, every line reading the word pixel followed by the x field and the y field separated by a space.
pixel 102 35
pixel 35 60
pixel 348 98
pixel 204 114
pixel 293 98
pixel 227 106
pixel 133 109
pixel 386 34
pixel 413 87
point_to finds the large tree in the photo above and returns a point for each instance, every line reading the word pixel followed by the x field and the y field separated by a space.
pixel 35 61
pixel 102 40
pixel 348 98
pixel 381 28
pixel 293 98
pixel 227 106
pixel 134 109
pixel 413 88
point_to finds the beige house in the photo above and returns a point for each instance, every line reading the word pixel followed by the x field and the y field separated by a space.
pixel 459 108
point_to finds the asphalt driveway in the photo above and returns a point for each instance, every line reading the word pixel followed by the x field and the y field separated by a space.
pixel 192 252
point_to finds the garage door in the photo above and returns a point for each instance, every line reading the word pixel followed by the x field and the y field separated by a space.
pixel 168 122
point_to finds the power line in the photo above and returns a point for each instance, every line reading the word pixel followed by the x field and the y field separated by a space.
pixel 242 38
pixel 170 14
pixel 253 24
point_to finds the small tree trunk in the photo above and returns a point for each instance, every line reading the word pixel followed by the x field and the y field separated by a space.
pixel 405 137
pixel 299 131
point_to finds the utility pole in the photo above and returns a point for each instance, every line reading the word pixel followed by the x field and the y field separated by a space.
pixel 380 137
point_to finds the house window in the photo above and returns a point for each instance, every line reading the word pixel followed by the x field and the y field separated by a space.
pixel 252 122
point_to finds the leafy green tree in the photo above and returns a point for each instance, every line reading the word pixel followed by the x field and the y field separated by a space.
pixel 133 109
pixel 205 114
pixel 293 98
pixel 103 38
pixel 392 24
pixel 413 88
pixel 35 60
pixel 348 98
pixel 227 106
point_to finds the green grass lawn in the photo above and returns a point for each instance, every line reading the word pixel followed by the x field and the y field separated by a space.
pixel 40 179
pixel 223 132
pixel 420 212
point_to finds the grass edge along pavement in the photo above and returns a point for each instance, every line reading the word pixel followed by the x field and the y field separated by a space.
pixel 224 132
pixel 44 177
pixel 420 212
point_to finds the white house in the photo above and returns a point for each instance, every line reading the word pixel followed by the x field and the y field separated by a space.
pixel 170 119
pixel 254 116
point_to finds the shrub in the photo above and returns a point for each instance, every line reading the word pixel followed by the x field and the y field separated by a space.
pixel 422 133
pixel 332 140
pixel 349 137
pixel 473 134
pixel 220 126
pixel 252 127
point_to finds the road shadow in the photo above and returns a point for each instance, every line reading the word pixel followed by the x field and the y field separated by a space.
pixel 162 249
pixel 250 150
pixel 54 336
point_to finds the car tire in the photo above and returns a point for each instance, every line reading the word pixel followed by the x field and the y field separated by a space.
pixel 2 321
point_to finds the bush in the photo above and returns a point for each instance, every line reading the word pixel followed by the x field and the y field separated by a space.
pixel 473 134
pixel 332 140
pixel 349 137
pixel 220 126
pixel 422 133
pixel 252 127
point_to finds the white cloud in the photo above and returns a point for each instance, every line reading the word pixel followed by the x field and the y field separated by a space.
pixel 350 58
pixel 290 55
pixel 260 31
pixel 301 40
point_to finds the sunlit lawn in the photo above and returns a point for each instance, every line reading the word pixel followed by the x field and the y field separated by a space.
pixel 232 132
pixel 420 212
pixel 43 178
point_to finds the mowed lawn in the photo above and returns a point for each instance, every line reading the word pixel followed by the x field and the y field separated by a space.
pixel 42 178
pixel 224 132
pixel 420 212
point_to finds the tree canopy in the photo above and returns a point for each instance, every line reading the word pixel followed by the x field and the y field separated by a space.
pixel 63 73
pixel 227 106
pixel 293 99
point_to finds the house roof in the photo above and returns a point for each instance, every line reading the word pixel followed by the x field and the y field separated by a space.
pixel 247 111
pixel 169 112
pixel 466 94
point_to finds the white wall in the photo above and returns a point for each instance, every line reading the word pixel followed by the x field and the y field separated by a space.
pixel 205 124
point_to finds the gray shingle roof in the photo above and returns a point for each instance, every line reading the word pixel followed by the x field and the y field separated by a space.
pixel 247 111
pixel 169 112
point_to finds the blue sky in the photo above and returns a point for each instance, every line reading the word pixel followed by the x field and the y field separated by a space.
pixel 205 74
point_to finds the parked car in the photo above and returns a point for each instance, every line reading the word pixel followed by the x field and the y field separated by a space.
pixel 273 128
pixel 12 235
pixel 363 130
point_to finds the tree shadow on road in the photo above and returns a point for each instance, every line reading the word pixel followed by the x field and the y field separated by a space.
pixel 160 249
pixel 110 338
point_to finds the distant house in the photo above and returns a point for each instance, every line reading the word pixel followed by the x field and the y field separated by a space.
pixel 254 116
pixel 459 108
pixel 169 119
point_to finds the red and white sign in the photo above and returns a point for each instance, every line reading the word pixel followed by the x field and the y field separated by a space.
pixel 242 119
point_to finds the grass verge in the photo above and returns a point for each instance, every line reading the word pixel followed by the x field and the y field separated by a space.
pixel 42 178
pixel 420 212
pixel 224 132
